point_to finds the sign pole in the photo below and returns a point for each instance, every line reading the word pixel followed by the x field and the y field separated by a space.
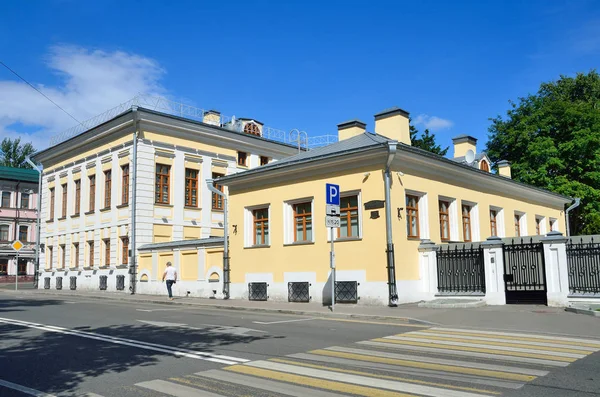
pixel 332 265
pixel 17 272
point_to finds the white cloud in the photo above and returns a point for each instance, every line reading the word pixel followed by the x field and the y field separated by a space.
pixel 91 82
pixel 432 123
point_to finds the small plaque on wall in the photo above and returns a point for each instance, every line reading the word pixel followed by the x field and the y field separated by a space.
pixel 374 214
pixel 374 204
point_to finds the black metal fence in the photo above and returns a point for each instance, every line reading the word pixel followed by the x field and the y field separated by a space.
pixel 461 269
pixel 103 282
pixel 120 283
pixel 346 292
pixel 525 272
pixel 299 292
pixel 258 291
pixel 583 263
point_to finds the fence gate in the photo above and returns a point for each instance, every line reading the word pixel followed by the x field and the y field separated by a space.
pixel 583 263
pixel 525 273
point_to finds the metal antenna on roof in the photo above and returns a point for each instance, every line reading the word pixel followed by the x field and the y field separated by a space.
pixel 300 137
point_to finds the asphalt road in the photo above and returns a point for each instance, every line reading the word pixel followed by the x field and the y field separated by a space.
pixel 61 347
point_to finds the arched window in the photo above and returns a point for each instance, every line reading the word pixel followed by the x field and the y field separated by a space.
pixel 252 128
pixel 484 166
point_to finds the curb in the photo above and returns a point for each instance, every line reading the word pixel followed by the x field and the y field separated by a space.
pixel 406 320
pixel 588 312
pixel 453 305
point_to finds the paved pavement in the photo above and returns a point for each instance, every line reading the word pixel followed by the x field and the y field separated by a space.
pixel 76 345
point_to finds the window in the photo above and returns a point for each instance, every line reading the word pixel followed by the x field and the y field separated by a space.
pixel 494 222
pixel 107 188
pixel 261 226
pixel 191 188
pixel 412 216
pixel 24 200
pixel 348 217
pixel 51 214
pixel 466 222
pixel 49 263
pixel 64 200
pixel 162 183
pixel 3 266
pixel 6 199
pixel 23 231
pixel 107 252
pixel 517 225
pixel 124 250
pixel 303 222
pixel 63 256
pixel 217 201
pixel 444 212
pixel 540 225
pixel 92 203
pixel 4 232
pixel 90 253
pixel 264 160
pixel 22 267
pixel 537 226
pixel 484 166
pixel 77 196
pixel 75 259
pixel 252 128
pixel 125 185
pixel 553 225
pixel 241 158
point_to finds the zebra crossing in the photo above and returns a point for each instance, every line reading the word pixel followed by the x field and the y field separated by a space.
pixel 437 362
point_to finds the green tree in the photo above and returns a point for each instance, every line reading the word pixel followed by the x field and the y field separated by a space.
pixel 426 141
pixel 552 139
pixel 13 153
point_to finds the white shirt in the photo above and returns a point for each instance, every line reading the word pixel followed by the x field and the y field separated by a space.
pixel 171 273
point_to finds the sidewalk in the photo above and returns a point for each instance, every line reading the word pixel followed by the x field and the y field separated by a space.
pixel 527 318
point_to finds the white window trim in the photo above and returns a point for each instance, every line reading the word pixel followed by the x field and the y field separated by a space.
pixel 288 220
pixel 474 215
pixel 249 225
pixel 19 231
pixel 553 225
pixel 424 233
pixel 10 200
pixel 360 229
pixel 10 230
pixel 453 215
pixel 522 223
pixel 500 228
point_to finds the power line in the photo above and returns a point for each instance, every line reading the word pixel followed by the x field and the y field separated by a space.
pixel 40 92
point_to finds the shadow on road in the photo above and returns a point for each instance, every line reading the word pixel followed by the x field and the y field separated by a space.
pixel 19 305
pixel 58 363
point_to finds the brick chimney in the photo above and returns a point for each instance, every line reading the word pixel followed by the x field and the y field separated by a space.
pixel 393 123
pixel 350 129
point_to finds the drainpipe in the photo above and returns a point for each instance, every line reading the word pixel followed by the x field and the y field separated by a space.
pixel 132 257
pixel 226 270
pixel 38 226
pixel 575 205
pixel 391 267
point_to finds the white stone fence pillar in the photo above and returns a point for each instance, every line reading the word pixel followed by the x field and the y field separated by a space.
pixel 428 269
pixel 557 274
pixel 493 258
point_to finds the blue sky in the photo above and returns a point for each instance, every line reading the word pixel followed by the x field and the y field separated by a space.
pixel 290 64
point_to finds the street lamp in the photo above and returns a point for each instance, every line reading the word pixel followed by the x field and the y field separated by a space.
pixel 39 215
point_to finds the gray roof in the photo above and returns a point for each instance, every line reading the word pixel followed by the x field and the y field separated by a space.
pixel 358 143
pixel 184 243
pixel 463 160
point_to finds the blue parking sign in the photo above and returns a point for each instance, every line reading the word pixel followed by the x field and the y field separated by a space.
pixel 332 194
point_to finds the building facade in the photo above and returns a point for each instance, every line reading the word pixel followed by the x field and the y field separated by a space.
pixel 142 176
pixel 18 215
pixel 280 242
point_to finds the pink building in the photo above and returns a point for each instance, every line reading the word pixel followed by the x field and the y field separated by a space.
pixel 18 215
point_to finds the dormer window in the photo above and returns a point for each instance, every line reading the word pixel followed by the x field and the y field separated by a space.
pixel 241 158
pixel 484 166
pixel 252 129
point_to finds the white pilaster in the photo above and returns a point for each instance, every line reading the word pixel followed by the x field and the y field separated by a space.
pixel 428 268
pixel 557 275
pixel 494 271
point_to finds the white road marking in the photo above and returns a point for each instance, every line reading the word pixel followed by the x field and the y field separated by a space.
pixel 23 389
pixel 154 310
pixel 175 389
pixel 363 380
pixel 213 328
pixel 130 342
pixel 537 336
pixel 283 321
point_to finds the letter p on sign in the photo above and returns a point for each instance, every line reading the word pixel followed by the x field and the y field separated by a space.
pixel 332 194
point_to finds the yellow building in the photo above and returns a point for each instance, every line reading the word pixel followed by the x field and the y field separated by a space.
pixel 135 184
pixel 279 244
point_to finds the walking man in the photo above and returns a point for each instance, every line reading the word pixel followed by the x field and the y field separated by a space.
pixel 171 275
